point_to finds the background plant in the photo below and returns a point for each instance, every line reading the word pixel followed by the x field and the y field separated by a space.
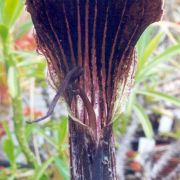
pixel 21 71
pixel 153 62
pixel 147 99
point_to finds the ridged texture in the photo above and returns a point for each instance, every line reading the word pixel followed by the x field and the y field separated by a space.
pixel 99 36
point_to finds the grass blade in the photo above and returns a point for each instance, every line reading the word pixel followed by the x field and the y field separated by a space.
pixel 144 40
pixel 151 47
pixel 159 59
pixel 144 120
pixel 161 96
pixel 41 170
pixel 63 169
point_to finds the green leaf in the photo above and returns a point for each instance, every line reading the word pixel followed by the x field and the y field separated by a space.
pixel 4 31
pixel 120 124
pixel 159 59
pixel 161 96
pixel 13 82
pixel 11 10
pixel 63 168
pixel 164 56
pixel 144 120
pixel 1 10
pixel 63 129
pixel 29 62
pixel 149 50
pixel 12 177
pixel 24 55
pixel 44 177
pixel 8 147
pixel 144 41
pixel 131 102
pixel 42 169
pixel 19 11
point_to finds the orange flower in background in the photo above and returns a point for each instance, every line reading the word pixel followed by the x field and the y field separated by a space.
pixel 27 112
pixel 26 42
pixel 135 166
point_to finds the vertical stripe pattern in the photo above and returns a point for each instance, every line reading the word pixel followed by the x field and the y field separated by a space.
pixel 98 35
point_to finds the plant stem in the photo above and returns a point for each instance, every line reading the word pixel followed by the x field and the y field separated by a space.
pixel 19 127
pixel 91 159
pixel 19 124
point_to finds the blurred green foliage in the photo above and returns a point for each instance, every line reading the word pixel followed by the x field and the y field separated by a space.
pixel 19 64
pixel 152 57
